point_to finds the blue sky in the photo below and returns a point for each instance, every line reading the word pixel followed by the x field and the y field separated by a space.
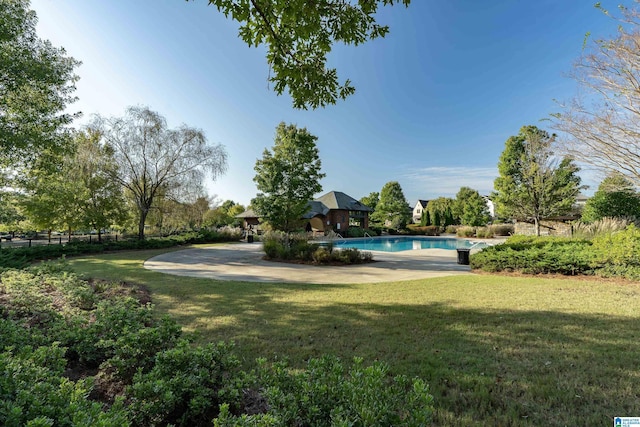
pixel 435 100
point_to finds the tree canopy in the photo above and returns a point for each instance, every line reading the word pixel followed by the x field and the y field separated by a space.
pixel 392 209
pixel 36 85
pixel 601 126
pixel 616 197
pixel 533 184
pixel 299 34
pixel 470 208
pixel 287 178
pixel 153 160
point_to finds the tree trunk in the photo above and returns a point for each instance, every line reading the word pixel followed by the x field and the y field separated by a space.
pixel 143 219
pixel 536 221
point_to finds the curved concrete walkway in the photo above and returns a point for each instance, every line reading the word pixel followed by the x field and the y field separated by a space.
pixel 243 262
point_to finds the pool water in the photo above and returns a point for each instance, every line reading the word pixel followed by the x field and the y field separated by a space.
pixel 398 244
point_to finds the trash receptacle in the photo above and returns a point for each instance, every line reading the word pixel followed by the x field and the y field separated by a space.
pixel 249 238
pixel 463 256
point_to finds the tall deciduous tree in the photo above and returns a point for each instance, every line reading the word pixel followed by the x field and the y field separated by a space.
pixel 299 34
pixel 36 85
pixel 152 159
pixel 371 200
pixel 102 201
pixel 616 197
pixel 392 209
pixel 287 178
pixel 533 184
pixel 470 208
pixel 601 127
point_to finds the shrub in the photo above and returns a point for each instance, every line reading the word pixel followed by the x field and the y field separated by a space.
pixel 484 232
pixel 451 229
pixel 427 230
pixel 20 257
pixel 186 386
pixel 618 249
pixel 34 392
pixel 535 255
pixel 327 394
pixel 502 229
pixel 601 226
pixel 321 256
pixel 278 245
pixel 466 231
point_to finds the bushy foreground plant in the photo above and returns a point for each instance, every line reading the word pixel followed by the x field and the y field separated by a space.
pixel 327 394
pixel 618 254
pixel 76 353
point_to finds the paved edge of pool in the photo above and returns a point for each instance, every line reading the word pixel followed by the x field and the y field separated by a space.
pixel 243 262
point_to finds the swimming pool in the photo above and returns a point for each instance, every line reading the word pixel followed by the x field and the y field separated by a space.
pixel 408 243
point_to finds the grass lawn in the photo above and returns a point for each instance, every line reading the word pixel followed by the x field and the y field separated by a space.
pixel 496 350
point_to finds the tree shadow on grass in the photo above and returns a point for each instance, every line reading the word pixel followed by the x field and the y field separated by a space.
pixel 485 367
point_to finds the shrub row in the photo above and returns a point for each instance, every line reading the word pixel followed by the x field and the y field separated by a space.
pixel 609 254
pixel 20 257
pixel 361 232
pixel 426 230
pixel 495 230
pixel 296 247
pixel 136 369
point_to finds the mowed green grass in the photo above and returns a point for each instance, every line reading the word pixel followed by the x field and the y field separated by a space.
pixel 496 350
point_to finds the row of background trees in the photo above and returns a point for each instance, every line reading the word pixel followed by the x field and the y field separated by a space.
pixel 136 163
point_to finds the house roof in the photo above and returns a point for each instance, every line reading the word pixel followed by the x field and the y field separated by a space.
pixel 323 204
pixel 249 213
pixel 339 200
pixel 315 208
pixel 423 203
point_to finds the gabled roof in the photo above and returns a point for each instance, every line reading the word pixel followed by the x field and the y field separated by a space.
pixel 315 208
pixel 249 213
pixel 339 200
pixel 423 203
pixel 322 205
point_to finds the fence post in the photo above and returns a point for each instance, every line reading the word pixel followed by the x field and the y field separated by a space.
pixel 89 238
pixel 29 242
pixel 60 240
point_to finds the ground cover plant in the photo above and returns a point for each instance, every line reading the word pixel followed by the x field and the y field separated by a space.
pixel 609 254
pixel 495 350
pixel 94 353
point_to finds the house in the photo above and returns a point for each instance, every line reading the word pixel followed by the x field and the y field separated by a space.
pixel 250 219
pixel 490 206
pixel 336 211
pixel 420 206
pixel 332 211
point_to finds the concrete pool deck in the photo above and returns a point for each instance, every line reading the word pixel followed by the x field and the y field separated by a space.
pixel 243 262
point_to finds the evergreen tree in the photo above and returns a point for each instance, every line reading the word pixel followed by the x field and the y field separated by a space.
pixel 533 184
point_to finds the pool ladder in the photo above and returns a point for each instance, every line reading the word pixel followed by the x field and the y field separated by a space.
pixel 368 235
